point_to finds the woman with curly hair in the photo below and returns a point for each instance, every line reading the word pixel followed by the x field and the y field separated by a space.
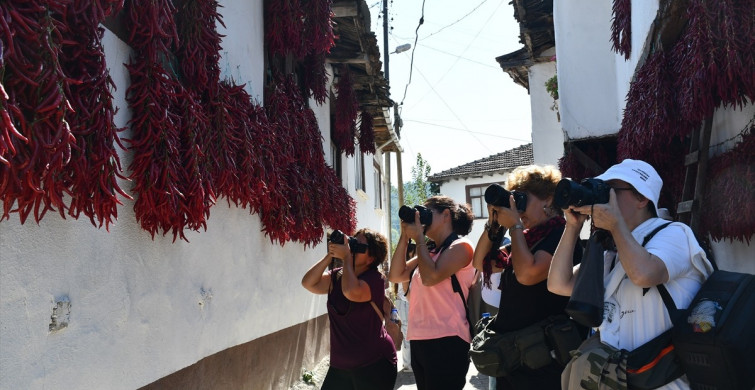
pixel 362 354
pixel 535 232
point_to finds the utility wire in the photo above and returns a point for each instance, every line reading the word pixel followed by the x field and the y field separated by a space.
pixel 457 21
pixel 465 130
pixel 411 63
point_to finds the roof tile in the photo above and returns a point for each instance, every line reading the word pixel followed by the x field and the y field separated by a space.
pixel 504 161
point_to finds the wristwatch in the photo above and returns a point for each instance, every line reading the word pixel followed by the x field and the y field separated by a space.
pixel 517 226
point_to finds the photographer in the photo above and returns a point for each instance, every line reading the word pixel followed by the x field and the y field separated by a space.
pixel 535 229
pixel 438 328
pixel 634 312
pixel 362 355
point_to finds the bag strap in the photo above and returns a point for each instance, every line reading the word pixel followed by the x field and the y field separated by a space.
pixel 457 288
pixel 449 240
pixel 665 295
pixel 374 306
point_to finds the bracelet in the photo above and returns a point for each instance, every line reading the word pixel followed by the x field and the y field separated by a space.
pixel 517 226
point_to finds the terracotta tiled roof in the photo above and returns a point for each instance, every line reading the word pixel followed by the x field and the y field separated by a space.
pixel 496 163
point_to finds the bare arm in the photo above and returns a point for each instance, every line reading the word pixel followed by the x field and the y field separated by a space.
pixel 317 279
pixel 354 289
pixel 642 268
pixel 401 269
pixel 449 262
pixel 484 245
pixel 563 272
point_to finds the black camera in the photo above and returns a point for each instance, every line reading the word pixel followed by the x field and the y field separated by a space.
pixel 406 214
pixel 498 196
pixel 355 246
pixel 588 192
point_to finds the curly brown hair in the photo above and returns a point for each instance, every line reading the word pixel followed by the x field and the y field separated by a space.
pixel 377 245
pixel 538 180
pixel 461 214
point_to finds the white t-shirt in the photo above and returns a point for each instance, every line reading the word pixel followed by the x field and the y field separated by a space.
pixel 631 319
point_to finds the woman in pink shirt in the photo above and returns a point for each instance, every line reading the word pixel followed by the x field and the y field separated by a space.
pixel 438 329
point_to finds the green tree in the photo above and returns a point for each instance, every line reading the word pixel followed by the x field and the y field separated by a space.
pixel 419 189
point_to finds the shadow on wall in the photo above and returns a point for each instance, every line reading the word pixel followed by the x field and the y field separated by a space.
pixel 275 361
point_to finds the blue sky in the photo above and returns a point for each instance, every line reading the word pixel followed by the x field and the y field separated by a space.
pixel 460 106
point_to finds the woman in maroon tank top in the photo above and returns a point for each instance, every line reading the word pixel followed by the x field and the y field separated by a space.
pixel 362 354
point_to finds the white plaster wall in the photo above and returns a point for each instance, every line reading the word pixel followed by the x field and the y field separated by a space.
pixel 140 308
pixel 456 189
pixel 589 103
pixel 643 14
pixel 547 136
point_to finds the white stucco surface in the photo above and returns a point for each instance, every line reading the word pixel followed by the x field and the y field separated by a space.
pixel 547 136
pixel 589 103
pixel 140 308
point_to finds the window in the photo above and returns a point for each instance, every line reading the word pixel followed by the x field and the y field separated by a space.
pixel 335 158
pixel 378 180
pixel 359 172
pixel 476 199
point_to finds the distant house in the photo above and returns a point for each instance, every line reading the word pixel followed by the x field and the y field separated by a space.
pixel 467 183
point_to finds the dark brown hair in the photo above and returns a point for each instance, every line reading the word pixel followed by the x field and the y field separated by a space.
pixel 461 213
pixel 377 245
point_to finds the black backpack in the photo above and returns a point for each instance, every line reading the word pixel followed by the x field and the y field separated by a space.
pixel 715 337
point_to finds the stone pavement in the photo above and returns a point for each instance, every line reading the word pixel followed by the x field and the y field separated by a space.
pixel 475 380
pixel 404 381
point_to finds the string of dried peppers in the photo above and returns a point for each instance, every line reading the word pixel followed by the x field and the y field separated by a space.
pixel 621 27
pixel 344 128
pixel 55 143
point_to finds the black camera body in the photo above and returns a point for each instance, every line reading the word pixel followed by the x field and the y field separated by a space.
pixel 588 192
pixel 498 196
pixel 406 214
pixel 337 237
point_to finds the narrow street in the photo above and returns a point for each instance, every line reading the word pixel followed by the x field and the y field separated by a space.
pixel 404 381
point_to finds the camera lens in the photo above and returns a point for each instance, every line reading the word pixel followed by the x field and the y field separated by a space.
pixel 406 214
pixel 496 195
pixel 336 237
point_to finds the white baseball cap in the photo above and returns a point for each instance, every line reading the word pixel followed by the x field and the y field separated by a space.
pixel 641 175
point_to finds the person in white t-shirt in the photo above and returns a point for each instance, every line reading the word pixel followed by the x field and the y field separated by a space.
pixel 672 257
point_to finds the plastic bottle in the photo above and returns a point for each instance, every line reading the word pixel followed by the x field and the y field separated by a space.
pixel 485 315
pixel 394 315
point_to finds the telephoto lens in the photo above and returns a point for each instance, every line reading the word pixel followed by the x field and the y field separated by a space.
pixel 355 246
pixel 406 214
pixel 498 196
pixel 588 192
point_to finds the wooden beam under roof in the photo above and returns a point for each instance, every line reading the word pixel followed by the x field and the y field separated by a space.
pixel 345 10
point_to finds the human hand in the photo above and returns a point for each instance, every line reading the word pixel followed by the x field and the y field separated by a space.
pixel 415 230
pixel 508 217
pixel 340 251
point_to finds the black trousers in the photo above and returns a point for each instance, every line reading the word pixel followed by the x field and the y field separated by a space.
pixel 380 375
pixel 440 364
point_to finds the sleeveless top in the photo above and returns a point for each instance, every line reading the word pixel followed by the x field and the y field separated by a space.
pixel 437 311
pixel 357 335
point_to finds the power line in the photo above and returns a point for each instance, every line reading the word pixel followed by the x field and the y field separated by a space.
pixel 458 57
pixel 458 20
pixel 465 130
pixel 416 37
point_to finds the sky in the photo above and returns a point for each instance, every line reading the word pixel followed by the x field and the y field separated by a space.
pixel 459 106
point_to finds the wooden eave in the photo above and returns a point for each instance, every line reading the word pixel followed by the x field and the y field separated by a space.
pixel 356 47
pixel 536 33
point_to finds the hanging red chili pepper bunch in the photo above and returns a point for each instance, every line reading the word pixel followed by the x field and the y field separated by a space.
pixel 345 113
pixel 366 133
pixel 94 167
pixel 311 194
pixel 199 49
pixel 650 117
pixel 35 135
pixel 652 129
pixel 621 27
pixel 729 200
pixel 156 100
pixel 714 58
pixel 318 29
pixel 284 28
